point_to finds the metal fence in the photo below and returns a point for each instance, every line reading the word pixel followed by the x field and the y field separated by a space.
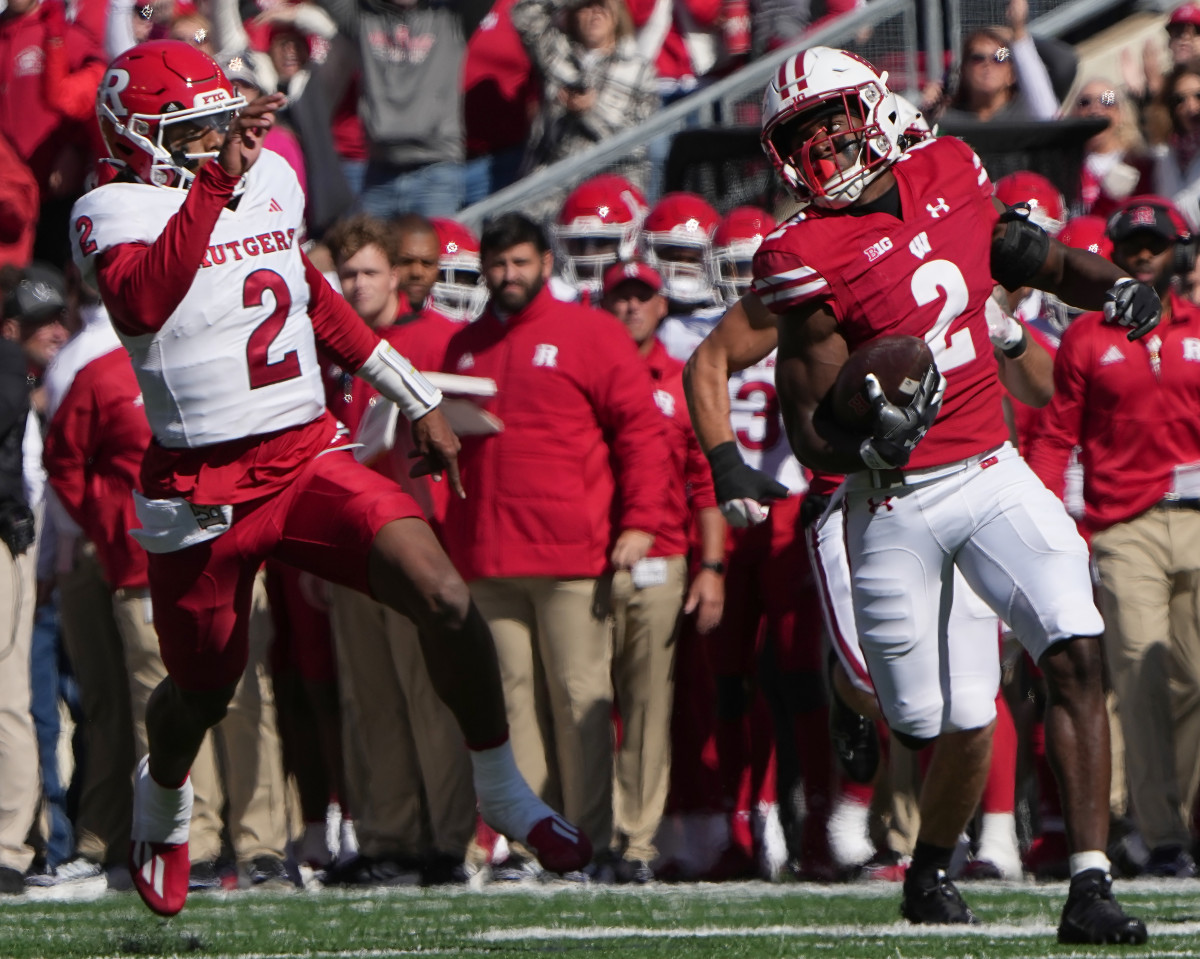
pixel 907 38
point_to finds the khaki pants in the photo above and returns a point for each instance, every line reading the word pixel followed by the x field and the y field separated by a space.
pixel 94 646
pixel 415 794
pixel 20 786
pixel 1149 569
pixel 644 629
pixel 247 739
pixel 555 660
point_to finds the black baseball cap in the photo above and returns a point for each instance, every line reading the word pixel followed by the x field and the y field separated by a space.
pixel 40 296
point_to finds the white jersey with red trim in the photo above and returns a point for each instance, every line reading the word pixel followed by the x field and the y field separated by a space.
pixel 926 273
pixel 238 357
pixel 754 407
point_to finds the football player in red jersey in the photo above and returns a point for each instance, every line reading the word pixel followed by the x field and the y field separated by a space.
pixel 893 242
pixel 194 248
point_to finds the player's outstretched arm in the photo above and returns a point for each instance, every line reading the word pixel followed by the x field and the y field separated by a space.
pixel 1023 255
pixel 744 335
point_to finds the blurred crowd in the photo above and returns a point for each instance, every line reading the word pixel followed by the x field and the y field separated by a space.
pixel 681 712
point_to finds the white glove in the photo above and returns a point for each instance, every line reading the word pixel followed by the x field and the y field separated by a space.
pixel 1005 332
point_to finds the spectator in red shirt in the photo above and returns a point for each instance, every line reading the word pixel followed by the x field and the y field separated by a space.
pixel 646 599
pixel 580 428
pixel 1131 408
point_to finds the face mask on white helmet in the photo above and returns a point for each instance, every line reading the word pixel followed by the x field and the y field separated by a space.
pixel 830 126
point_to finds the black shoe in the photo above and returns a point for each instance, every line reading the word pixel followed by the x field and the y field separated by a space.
pixel 268 872
pixel 636 871
pixel 205 877
pixel 444 870
pixel 938 903
pixel 855 741
pixel 12 881
pixel 1171 862
pixel 1092 916
pixel 369 871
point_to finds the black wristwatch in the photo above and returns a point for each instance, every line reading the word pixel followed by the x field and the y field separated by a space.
pixel 715 565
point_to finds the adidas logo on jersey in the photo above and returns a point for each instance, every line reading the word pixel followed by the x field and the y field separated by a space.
pixel 275 207
pixel 1112 355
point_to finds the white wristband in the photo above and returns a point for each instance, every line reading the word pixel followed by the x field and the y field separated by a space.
pixel 1004 331
pixel 394 376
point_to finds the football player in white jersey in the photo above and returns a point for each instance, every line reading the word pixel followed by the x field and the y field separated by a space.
pixel 195 250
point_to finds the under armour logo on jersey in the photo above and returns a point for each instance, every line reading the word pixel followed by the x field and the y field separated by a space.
pixel 465 362
pixel 1112 355
pixel 885 503
pixel 545 354
pixel 275 207
pixel 665 402
pixel 919 246
pixel 937 209
pixel 1191 349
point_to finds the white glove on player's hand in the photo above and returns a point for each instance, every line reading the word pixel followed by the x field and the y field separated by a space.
pixel 1004 331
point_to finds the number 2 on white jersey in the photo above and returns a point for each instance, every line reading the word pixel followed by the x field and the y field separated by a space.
pixel 929 283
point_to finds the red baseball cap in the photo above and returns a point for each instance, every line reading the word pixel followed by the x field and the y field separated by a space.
pixel 1188 13
pixel 619 273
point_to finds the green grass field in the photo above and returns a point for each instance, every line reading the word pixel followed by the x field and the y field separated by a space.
pixel 753 920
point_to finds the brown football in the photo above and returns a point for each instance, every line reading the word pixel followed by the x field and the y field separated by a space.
pixel 898 362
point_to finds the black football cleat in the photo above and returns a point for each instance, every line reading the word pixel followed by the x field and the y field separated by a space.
pixel 1092 915
pixel 935 904
pixel 855 741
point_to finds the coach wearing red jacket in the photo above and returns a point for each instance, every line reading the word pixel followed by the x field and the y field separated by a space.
pixel 1132 408
pixel 536 532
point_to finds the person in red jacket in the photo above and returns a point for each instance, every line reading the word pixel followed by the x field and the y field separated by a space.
pixel 646 600
pixel 580 428
pixel 1130 407
pixel 419 770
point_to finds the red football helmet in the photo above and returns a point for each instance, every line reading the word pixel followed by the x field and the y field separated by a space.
pixel 1087 233
pixel 677 241
pixel 598 225
pixel 152 87
pixel 1047 208
pixel 859 136
pixel 738 235
pixel 459 291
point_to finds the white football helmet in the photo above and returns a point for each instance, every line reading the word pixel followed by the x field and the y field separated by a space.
pixel 677 241
pixel 459 291
pixel 856 125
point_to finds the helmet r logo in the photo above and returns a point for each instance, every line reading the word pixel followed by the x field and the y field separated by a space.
pixel 115 81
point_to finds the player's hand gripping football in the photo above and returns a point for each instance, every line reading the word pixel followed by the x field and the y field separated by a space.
pixel 437 446
pixel 898 429
pixel 744 493
pixel 1133 305
pixel 244 138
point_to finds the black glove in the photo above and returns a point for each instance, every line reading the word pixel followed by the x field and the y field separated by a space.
pixel 1134 305
pixel 17 527
pixel 741 490
pixel 898 429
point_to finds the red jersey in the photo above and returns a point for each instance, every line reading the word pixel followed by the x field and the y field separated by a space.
pixel 925 274
pixel 93 455
pixel 1131 407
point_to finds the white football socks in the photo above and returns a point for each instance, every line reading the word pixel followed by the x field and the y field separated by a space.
pixel 506 802
pixel 160 814
pixel 998 843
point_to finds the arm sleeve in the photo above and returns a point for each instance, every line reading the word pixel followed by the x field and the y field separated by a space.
pixel 1034 80
pixel 119 36
pixel 622 395
pixel 340 332
pixel 783 283
pixel 1062 421
pixel 229 34
pixel 70 443
pixel 143 284
pixel 698 476
pixel 344 13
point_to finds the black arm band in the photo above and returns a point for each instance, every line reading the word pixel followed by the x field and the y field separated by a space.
pixel 1020 253
pixel 724 457
pixel 1018 350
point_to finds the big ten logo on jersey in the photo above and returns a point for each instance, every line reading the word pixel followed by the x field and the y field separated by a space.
pixel 276 241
